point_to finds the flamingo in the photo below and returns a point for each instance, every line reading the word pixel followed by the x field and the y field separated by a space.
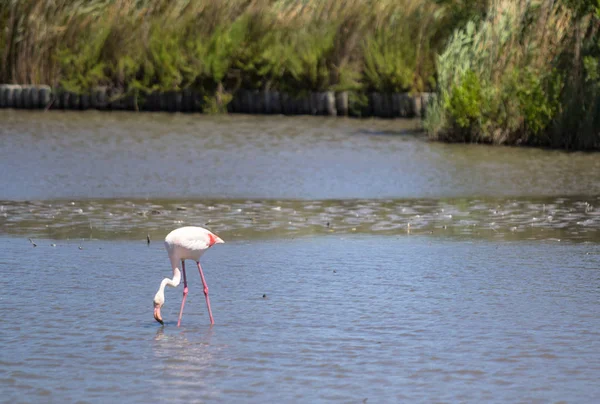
pixel 185 243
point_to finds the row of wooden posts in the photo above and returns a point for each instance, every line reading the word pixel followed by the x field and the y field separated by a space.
pixel 330 103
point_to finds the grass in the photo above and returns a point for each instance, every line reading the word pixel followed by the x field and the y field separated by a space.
pixel 210 45
pixel 505 71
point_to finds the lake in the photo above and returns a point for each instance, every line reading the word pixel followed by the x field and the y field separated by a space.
pixel 112 155
pixel 362 263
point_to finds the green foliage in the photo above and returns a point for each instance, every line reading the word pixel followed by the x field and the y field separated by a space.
pixel 583 7
pixel 139 46
pixel 505 71
pixel 465 102
pixel 82 66
pixel 307 66
pixel 538 100
pixel 216 104
pixel 164 61
pixel 497 79
pixel 590 65
pixel 577 125
pixel 222 47
pixel 398 53
pixel 460 12
pixel 389 62
pixel 357 103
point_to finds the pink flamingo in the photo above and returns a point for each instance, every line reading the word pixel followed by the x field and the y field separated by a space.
pixel 182 244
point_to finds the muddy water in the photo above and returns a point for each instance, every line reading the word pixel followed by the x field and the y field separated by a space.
pixel 361 262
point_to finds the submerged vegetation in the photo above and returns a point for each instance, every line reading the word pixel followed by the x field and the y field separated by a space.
pixel 504 71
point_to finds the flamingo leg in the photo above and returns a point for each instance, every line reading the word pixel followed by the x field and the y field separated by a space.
pixel 206 293
pixel 185 292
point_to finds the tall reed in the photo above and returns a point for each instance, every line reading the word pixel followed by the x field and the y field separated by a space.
pixel 577 126
pixel 497 80
pixel 211 45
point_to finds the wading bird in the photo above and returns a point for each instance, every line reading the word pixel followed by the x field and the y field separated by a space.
pixel 185 243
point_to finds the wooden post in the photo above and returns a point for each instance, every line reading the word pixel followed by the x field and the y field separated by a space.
pixel 4 91
pixel 84 101
pixel 74 101
pixel 16 96
pixel 330 107
pixel 276 102
pixel 25 101
pixel 45 96
pixel 64 100
pixel 341 103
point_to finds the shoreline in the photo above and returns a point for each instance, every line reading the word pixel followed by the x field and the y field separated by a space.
pixel 326 103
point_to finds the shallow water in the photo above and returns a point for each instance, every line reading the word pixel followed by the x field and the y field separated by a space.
pixel 393 269
pixel 547 218
pixel 344 319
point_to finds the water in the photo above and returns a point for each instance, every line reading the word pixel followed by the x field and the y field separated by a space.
pixel 392 269
pixel 344 319
pixel 568 219
pixel 113 155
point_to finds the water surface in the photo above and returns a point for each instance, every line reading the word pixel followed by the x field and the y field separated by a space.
pixel 345 319
pixel 362 262
pixel 96 154
pixel 546 218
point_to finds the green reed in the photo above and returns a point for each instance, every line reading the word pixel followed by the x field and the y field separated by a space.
pixel 210 45
pixel 515 78
pixel 505 71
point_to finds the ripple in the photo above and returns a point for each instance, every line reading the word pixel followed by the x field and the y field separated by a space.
pixel 556 219
pixel 404 317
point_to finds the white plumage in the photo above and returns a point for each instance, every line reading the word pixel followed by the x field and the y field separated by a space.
pixel 189 243
pixel 185 243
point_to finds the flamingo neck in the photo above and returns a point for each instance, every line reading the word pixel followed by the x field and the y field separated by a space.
pixel 171 282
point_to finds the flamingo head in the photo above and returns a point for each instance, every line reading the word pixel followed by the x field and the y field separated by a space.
pixel 214 239
pixel 159 300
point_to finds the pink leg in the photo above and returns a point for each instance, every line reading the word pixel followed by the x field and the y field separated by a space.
pixel 206 293
pixel 185 292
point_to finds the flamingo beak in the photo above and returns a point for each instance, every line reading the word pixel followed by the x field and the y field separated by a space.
pixel 219 240
pixel 157 316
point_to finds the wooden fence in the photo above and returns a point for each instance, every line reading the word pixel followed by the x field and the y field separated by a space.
pixel 329 103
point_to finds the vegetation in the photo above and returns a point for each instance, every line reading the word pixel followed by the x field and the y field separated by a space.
pixel 525 74
pixel 137 46
pixel 504 71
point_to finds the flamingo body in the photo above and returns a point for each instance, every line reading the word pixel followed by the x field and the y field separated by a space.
pixel 185 243
pixel 189 243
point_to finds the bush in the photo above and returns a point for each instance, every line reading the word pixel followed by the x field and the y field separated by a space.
pixel 465 102
pixel 497 81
